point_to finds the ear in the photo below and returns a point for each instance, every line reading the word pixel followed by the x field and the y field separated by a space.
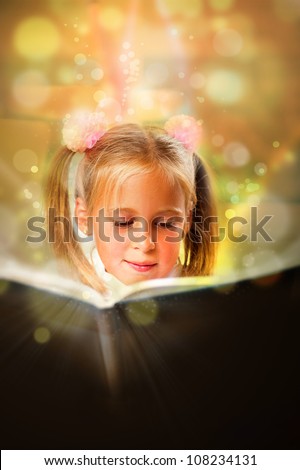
pixel 81 214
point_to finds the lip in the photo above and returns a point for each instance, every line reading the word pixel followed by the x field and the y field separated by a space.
pixel 142 267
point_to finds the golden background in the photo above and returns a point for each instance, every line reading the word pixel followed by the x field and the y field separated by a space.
pixel 232 64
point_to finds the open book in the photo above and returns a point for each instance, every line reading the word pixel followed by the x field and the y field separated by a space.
pixel 178 363
pixel 50 281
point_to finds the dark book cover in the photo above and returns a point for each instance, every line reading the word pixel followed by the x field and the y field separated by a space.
pixel 214 367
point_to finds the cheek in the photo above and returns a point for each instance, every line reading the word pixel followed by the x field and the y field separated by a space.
pixel 110 244
pixel 169 250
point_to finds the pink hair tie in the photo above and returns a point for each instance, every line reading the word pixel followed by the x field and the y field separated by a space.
pixel 82 130
pixel 185 129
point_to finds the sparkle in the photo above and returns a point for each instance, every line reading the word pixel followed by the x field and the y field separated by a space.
pixel 24 160
pixel 232 187
pixel 142 313
pixel 252 187
pixel 80 59
pixel 27 194
pixel 41 335
pixel 97 73
pixel 235 199
pixel 217 140
pixel 229 213
pixel 260 169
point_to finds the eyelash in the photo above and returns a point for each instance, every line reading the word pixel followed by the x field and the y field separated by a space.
pixel 128 223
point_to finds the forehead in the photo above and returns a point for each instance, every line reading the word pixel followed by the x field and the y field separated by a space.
pixel 148 193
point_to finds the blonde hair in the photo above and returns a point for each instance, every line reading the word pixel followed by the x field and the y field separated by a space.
pixel 123 151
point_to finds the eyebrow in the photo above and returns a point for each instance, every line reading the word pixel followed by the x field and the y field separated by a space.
pixel 164 210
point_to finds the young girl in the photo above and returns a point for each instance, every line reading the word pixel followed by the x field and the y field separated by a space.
pixel 140 193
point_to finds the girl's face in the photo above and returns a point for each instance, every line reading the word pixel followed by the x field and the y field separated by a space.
pixel 138 236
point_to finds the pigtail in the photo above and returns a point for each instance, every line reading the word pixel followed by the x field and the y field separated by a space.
pixel 60 225
pixel 200 242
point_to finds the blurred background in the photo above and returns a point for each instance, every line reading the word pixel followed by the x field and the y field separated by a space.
pixel 232 64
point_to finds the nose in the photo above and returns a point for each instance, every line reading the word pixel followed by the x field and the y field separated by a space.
pixel 143 241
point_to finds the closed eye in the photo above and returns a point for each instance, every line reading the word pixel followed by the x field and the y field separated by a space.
pixel 165 224
pixel 123 223
pixel 169 223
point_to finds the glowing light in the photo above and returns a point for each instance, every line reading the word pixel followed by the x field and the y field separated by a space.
pixel 110 107
pixel 111 18
pixel 260 169
pixel 80 59
pixel 229 213
pixel 221 4
pixel 24 159
pixel 188 8
pixel 253 200
pixel 31 89
pixel 99 95
pixel 36 38
pixel 27 194
pixel 248 260
pixel 200 99
pixel 123 58
pixel 126 45
pixel 290 157
pixel 79 76
pixel 232 187
pixel 236 154
pixel 156 74
pixel 147 101
pixel 142 313
pixel 225 86
pixel 34 169
pixel 97 73
pixel 41 335
pixel 33 188
pixel 227 42
pixel 251 187
pixel 181 75
pixel 65 74
pixel 197 80
pixel 36 205
pixel 217 140
pixel 276 144
pixel 235 199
